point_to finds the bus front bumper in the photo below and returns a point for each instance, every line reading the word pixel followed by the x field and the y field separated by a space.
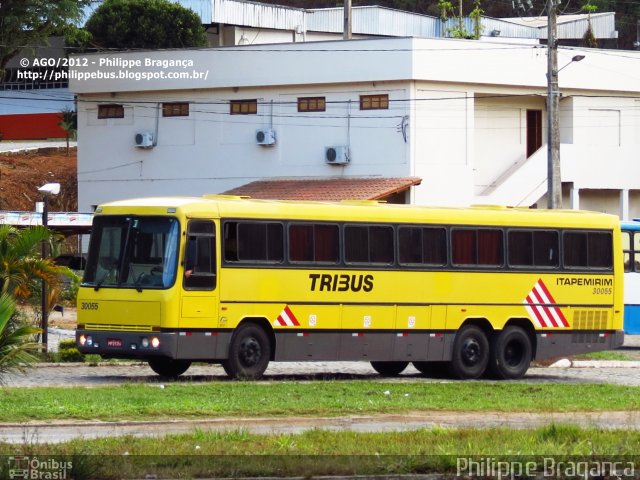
pixel 127 344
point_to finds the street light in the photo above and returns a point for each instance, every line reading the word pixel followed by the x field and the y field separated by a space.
pixel 575 58
pixel 554 179
pixel 47 191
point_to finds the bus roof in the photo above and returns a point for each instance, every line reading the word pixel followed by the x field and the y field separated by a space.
pixel 358 210
pixel 631 224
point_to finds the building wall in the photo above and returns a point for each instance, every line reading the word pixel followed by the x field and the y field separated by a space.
pixel 501 136
pixel 605 143
pixel 33 126
pixel 456 119
pixel 606 201
pixel 212 151
pixel 443 137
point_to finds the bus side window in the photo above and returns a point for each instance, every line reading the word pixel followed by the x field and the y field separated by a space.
pixel 200 256
pixel 635 252
pixel 626 248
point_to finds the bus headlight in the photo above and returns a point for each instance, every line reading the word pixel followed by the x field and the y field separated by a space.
pixel 89 341
pixel 82 340
pixel 145 342
pixel 155 342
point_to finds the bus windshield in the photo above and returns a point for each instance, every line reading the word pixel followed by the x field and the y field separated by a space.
pixel 132 252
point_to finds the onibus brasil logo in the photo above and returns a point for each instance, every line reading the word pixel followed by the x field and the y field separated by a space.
pixel 34 468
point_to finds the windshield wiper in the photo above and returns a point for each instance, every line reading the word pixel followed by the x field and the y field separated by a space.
pixel 138 283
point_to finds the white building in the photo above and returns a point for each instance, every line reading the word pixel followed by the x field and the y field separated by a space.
pixel 30 106
pixel 467 118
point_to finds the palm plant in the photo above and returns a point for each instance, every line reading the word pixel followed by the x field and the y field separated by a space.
pixel 21 262
pixel 15 347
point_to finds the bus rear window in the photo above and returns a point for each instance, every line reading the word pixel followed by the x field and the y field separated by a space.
pixel 588 250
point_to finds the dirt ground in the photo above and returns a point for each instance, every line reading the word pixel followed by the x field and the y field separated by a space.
pixel 22 173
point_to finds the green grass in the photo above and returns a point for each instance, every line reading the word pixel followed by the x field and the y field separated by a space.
pixel 321 398
pixel 607 355
pixel 321 452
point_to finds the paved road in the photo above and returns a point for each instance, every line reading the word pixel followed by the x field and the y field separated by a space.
pixel 622 373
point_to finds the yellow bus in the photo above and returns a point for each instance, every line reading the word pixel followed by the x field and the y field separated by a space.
pixel 242 282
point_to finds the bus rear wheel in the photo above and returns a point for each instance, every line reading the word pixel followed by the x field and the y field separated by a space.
pixel 389 369
pixel 169 368
pixel 470 353
pixel 511 354
pixel 249 353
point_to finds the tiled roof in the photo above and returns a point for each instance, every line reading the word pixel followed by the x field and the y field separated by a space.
pixel 325 188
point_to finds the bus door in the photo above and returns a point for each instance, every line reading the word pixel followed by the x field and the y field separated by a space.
pixel 199 302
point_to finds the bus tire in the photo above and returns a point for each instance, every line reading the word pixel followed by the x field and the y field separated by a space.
pixel 433 369
pixel 168 367
pixel 389 369
pixel 249 353
pixel 470 354
pixel 511 354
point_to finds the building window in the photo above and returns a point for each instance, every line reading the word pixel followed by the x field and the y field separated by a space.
pixel 374 102
pixel 244 107
pixel 312 104
pixel 175 109
pixel 111 111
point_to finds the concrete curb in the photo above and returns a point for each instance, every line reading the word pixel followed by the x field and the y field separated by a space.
pixel 566 363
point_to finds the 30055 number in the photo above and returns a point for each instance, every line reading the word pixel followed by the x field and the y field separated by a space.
pixel 602 290
pixel 89 306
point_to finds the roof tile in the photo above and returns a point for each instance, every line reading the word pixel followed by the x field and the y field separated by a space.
pixel 329 189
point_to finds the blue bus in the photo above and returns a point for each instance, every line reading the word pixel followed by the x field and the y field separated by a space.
pixel 631 247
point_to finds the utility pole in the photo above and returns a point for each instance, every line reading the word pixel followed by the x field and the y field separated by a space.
pixel 554 180
pixel 347 20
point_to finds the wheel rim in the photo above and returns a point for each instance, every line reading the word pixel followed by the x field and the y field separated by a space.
pixel 471 352
pixel 250 352
pixel 513 353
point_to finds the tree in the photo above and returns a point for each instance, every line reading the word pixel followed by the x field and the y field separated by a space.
pixel 129 24
pixel 69 123
pixel 15 347
pixel 589 39
pixel 31 22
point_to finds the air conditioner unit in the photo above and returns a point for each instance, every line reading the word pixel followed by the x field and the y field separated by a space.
pixel 265 136
pixel 144 140
pixel 337 155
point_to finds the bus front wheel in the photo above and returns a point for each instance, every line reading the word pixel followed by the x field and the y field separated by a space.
pixel 470 354
pixel 389 369
pixel 249 353
pixel 511 353
pixel 167 367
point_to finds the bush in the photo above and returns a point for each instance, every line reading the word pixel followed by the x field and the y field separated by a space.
pixel 68 352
